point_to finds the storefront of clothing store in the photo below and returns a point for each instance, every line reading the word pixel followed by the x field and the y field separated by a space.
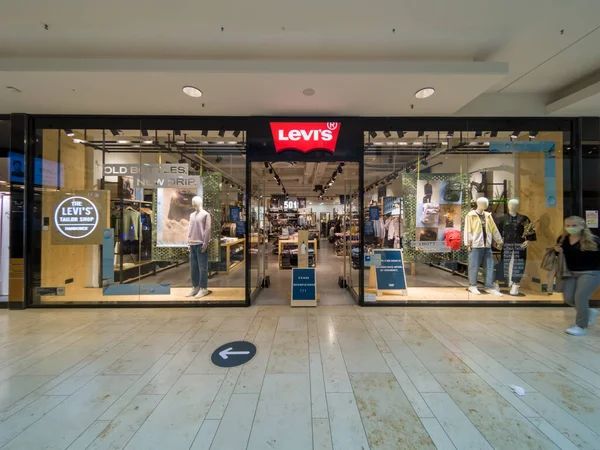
pixel 167 211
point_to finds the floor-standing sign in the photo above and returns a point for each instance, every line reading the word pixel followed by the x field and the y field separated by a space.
pixel 304 287
pixel 390 274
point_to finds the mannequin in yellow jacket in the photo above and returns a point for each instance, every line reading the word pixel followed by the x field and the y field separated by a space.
pixel 480 232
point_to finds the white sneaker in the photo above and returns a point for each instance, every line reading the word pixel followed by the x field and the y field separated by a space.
pixel 576 331
pixel 201 293
pixel 496 286
pixel 474 290
pixel 495 292
pixel 593 316
pixel 514 290
pixel 193 292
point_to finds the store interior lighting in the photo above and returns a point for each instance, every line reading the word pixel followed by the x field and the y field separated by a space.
pixel 387 134
pixel 533 134
pixel 515 134
pixel 373 134
pixel 69 132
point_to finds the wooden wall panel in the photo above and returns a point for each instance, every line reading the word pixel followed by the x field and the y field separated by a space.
pixel 62 262
pixel 531 194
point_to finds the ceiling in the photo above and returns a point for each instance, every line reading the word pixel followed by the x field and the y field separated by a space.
pixel 483 57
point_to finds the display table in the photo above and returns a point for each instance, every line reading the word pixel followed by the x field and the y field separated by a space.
pixel 227 247
pixel 295 241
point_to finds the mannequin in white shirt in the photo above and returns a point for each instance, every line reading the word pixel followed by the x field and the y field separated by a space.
pixel 198 240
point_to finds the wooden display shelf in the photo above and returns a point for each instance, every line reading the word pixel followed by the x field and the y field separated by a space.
pixel 295 241
pixel 227 247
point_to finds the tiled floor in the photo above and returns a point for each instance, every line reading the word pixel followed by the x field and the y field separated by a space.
pixel 340 378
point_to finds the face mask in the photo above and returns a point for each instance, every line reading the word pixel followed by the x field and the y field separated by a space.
pixel 573 230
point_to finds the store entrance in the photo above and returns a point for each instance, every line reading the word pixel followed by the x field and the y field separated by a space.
pixel 320 198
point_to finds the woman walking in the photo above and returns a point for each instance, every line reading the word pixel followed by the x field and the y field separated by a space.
pixel 582 255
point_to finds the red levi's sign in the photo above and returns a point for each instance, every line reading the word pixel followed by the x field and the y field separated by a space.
pixel 305 136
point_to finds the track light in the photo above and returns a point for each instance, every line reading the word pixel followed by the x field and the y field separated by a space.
pixel 533 134
pixel 400 134
pixel 478 134
pixel 114 132
pixel 387 134
pixel 373 134
pixel 69 132
pixel 221 132
pixel 494 134
pixel 421 134
pixel 144 133
pixel 236 133
pixel 204 133
pixel 515 134
pixel 266 165
pixel 450 134
pixel 177 132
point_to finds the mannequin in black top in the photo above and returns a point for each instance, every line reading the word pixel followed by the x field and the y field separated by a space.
pixel 514 252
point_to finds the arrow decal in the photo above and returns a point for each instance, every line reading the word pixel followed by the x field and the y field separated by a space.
pixel 228 352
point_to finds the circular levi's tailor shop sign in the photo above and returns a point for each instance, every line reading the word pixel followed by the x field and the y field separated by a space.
pixel 76 217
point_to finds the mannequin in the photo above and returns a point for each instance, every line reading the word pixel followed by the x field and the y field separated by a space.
pixel 514 252
pixel 198 240
pixel 480 232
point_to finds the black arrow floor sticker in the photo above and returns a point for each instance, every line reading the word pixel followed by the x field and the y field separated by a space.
pixel 233 354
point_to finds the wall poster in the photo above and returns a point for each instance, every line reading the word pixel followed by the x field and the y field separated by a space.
pixel 173 210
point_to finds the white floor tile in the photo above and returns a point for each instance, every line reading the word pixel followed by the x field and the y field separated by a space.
pixel 176 420
pixel 206 434
pixel 236 424
pixel 283 420
pixel 322 435
pixel 347 432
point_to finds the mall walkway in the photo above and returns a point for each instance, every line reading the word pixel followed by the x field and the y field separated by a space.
pixel 339 378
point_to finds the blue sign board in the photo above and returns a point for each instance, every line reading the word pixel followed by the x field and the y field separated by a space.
pixel 390 273
pixel 234 213
pixel 304 284
pixel 240 228
pixel 369 229
pixel 373 213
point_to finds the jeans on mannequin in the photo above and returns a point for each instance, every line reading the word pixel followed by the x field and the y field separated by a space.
pixel 477 258
pixel 199 266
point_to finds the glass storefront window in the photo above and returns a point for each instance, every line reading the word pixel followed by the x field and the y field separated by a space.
pixel 429 197
pixel 153 216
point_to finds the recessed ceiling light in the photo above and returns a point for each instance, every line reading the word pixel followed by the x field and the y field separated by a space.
pixel 192 91
pixel 308 92
pixel 425 92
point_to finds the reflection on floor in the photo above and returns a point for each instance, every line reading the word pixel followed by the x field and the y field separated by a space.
pixel 329 268
pixel 339 377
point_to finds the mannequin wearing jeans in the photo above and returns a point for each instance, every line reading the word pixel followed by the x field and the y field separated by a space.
pixel 198 239
pixel 480 232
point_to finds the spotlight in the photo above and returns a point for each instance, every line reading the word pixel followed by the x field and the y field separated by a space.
pixel 478 134
pixel 236 133
pixel 421 134
pixel 177 132
pixel 494 134
pixel 204 133
pixel 450 134
pixel 387 134
pixel 69 132
pixel 515 134
pixel 219 159
pixel 114 132
pixel 400 134
pixel 221 132
pixel 266 165
pixel 533 134
pixel 373 134
pixel 144 133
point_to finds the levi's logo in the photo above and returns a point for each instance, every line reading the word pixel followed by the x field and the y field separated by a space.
pixel 305 136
